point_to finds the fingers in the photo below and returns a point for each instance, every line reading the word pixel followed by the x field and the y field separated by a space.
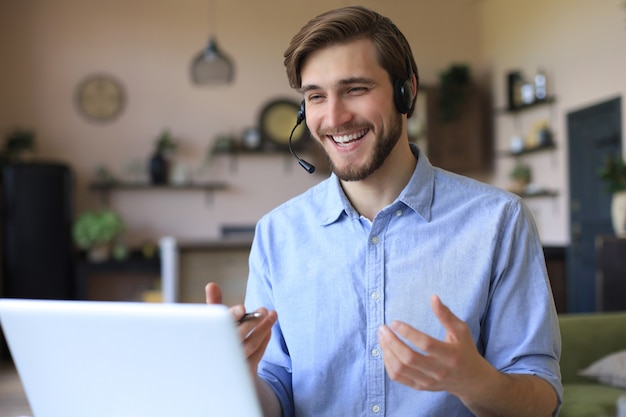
pixel 250 316
pixel 403 364
pixel 455 327
pixel 391 343
pixel 213 293
pixel 256 334
pixel 423 362
pixel 391 337
pixel 443 313
pixel 247 322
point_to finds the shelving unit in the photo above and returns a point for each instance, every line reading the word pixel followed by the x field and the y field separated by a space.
pixel 530 151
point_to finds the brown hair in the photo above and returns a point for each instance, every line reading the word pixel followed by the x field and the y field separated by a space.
pixel 349 24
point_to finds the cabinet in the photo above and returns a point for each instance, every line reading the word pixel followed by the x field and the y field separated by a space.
pixel 114 280
pixel 462 145
pixel 611 274
pixel 224 261
pixel 36 222
pixel 555 264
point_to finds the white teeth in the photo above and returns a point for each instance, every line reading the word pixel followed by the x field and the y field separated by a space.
pixel 349 138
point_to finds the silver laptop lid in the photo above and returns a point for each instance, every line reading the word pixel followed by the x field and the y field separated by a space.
pixel 104 359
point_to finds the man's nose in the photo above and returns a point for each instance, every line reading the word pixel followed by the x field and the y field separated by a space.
pixel 338 112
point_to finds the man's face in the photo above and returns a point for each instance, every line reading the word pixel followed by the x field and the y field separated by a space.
pixel 350 109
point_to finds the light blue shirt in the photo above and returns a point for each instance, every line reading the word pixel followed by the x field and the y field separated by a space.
pixel 334 278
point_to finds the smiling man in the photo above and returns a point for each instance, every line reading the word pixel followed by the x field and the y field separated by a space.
pixel 349 105
pixel 393 288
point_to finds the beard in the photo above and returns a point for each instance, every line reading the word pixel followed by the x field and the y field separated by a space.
pixel 384 145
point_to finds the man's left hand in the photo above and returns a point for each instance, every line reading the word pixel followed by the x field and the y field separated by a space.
pixel 453 365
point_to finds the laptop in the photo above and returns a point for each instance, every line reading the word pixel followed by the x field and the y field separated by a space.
pixel 128 359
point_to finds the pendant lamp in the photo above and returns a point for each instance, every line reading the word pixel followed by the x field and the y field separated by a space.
pixel 211 66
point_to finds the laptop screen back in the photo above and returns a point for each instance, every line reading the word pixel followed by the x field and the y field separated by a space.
pixel 103 359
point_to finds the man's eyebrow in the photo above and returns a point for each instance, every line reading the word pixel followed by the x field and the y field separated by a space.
pixel 308 87
pixel 342 82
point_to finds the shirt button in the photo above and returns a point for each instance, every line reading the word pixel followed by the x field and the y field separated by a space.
pixel 375 240
pixel 398 213
pixel 375 296
pixel 376 408
pixel 375 352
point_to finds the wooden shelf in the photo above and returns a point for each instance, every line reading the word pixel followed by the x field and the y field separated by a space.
pixel 210 186
pixel 509 110
pixel 538 194
pixel 527 151
pixel 105 188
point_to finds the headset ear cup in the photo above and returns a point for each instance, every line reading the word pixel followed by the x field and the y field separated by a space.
pixel 403 95
pixel 408 94
pixel 301 114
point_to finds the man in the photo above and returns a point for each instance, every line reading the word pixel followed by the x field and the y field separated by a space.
pixel 392 288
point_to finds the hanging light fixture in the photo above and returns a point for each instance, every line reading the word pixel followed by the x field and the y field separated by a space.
pixel 211 65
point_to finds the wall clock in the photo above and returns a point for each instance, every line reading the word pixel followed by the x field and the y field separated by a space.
pixel 100 98
pixel 277 119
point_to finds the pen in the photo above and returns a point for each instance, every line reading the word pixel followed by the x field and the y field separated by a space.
pixel 249 316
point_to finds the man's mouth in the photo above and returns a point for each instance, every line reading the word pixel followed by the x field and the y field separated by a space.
pixel 349 138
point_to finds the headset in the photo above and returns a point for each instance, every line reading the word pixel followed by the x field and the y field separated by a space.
pixel 403 90
pixel 308 167
pixel 402 98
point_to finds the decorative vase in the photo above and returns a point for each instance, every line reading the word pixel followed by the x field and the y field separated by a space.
pixel 519 186
pixel 618 213
pixel 99 253
pixel 158 169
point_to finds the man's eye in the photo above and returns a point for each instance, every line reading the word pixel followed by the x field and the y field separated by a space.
pixel 357 89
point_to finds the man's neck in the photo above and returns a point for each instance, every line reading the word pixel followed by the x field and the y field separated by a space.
pixel 371 195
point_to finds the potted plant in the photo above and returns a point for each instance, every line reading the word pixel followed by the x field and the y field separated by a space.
pixel 521 176
pixel 17 144
pixel 159 169
pixel 94 231
pixel 614 174
pixel 453 87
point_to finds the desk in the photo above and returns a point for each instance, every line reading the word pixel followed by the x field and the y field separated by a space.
pixel 611 274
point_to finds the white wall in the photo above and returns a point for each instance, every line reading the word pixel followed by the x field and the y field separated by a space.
pixel 49 46
pixel 582 45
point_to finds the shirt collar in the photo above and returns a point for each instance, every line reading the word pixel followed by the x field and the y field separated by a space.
pixel 417 195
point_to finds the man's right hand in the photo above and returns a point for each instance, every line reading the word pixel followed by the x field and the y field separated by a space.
pixel 255 334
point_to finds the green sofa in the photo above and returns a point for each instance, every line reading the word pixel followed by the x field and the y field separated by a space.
pixel 587 338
